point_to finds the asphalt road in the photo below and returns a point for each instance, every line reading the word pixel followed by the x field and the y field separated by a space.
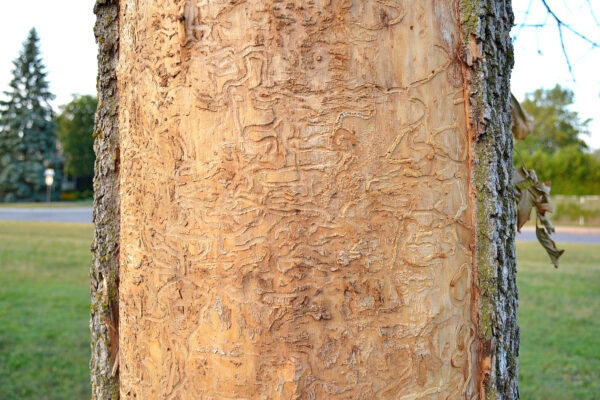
pixel 559 237
pixel 84 215
pixel 76 214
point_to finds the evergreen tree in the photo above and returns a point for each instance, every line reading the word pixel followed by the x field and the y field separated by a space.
pixel 27 130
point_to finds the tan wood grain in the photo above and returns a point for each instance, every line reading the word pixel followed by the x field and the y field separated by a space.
pixel 296 220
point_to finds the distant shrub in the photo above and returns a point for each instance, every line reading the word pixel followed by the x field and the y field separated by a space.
pixel 10 198
pixel 573 208
pixel 570 170
pixel 69 195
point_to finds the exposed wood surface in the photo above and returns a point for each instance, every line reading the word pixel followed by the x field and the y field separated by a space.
pixel 295 196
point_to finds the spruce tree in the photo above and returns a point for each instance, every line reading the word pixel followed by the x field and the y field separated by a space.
pixel 27 131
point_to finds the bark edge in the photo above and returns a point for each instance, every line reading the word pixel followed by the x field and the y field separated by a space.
pixel 488 55
pixel 105 248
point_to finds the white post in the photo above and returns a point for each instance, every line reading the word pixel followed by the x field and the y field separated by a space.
pixel 49 174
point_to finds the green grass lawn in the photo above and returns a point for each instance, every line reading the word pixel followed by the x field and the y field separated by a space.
pixel 559 315
pixel 44 311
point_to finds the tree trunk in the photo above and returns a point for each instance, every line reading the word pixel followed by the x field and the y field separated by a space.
pixel 312 201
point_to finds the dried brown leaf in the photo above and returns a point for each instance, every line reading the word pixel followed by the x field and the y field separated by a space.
pixel 548 244
pixel 532 193
pixel 524 209
pixel 523 123
pixel 546 222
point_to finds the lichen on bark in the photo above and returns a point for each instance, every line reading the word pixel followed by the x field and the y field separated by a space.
pixel 489 54
pixel 104 271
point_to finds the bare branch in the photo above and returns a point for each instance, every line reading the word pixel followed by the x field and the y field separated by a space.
pixel 560 24
pixel 523 24
pixel 592 12
pixel 569 27
pixel 562 45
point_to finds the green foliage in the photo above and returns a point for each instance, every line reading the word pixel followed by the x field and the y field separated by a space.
pixel 570 170
pixel 555 126
pixel 75 126
pixel 555 148
pixel 27 132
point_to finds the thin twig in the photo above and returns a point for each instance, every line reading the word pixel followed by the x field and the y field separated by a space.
pixel 560 24
pixel 562 46
pixel 524 20
pixel 592 12
pixel 520 157
pixel 569 27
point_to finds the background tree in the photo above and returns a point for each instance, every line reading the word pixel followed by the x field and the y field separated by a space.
pixel 570 170
pixel 27 132
pixel 556 126
pixel 75 125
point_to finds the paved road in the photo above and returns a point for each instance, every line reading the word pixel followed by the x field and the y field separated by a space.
pixel 84 215
pixel 75 214
pixel 588 238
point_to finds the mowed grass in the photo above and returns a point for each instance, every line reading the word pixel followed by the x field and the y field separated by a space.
pixel 559 315
pixel 44 312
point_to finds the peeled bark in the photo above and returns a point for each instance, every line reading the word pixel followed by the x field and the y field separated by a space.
pixel 314 201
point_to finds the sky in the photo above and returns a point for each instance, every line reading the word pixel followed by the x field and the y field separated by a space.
pixel 67 43
pixel 69 50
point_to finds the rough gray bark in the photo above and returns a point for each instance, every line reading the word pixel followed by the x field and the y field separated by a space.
pixel 105 268
pixel 486 25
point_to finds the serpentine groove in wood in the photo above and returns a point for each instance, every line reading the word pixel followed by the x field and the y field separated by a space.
pixel 304 192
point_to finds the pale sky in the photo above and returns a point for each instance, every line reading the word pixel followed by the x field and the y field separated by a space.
pixel 69 51
pixel 65 28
